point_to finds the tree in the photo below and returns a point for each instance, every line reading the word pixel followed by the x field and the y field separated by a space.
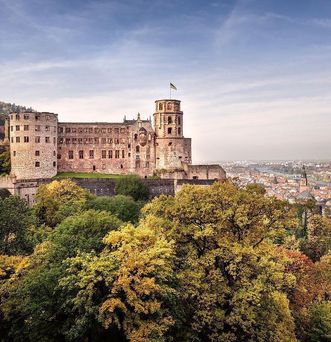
pixel 320 321
pixel 5 162
pixel 59 199
pixel 34 308
pixel 16 222
pixel 318 240
pixel 132 186
pixel 124 207
pixel 230 275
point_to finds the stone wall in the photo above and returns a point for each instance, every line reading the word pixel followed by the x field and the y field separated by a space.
pixel 33 145
pixel 113 148
pixel 27 189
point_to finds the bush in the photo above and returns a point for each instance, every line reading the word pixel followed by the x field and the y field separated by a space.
pixel 132 186
pixel 124 207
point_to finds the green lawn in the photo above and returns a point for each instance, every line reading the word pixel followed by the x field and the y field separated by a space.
pixel 86 175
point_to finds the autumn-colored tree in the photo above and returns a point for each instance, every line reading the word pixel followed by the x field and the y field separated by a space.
pixel 59 199
pixel 313 287
pixel 231 277
pixel 318 240
pixel 128 286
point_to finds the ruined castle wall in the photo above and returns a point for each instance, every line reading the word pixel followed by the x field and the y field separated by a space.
pixel 172 152
pixel 113 148
pixel 33 145
pixel 205 172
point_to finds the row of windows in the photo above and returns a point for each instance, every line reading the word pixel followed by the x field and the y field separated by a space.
pixel 27 117
pixel 169 106
pixel 170 131
pixel 104 154
pixel 75 141
pixel 37 140
pixel 37 128
pixel 37 164
pixel 36 153
pixel 91 130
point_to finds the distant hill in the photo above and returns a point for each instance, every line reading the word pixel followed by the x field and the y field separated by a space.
pixel 6 108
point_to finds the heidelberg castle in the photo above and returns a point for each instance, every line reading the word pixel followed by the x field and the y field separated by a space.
pixel 40 146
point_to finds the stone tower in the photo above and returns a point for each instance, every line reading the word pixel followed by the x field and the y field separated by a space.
pixel 33 145
pixel 172 149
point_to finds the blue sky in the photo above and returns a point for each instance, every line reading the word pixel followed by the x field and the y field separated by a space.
pixel 254 77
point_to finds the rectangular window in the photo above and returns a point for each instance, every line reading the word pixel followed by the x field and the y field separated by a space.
pixel 26 127
pixel 74 140
pixel 47 128
pixel 103 154
pixel 12 139
pixel 37 164
pixel 103 130
pixel 80 130
pixel 110 140
pixel 47 140
pixel 60 130
pixel 96 130
pixel 117 154
pixel 47 117
pixel 90 140
pixel 37 117
pixel 96 140
pixel 91 154
pixel 103 140
pixel 37 140
pixel 123 154
pixel 110 154
pixel 109 130
pixel 26 117
pixel 17 127
pixel 67 129
pixel 67 140
pixel 37 128
pixel 117 130
pixel 54 140
pixel 26 139
pixel 12 128
pixel 80 141
pixel 71 154
pixel 60 140
pixel 37 153
pixel 18 139
pixel 14 153
pixel 17 117
pixel 90 130
pixel 81 154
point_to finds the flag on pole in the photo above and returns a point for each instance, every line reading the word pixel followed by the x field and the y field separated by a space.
pixel 172 86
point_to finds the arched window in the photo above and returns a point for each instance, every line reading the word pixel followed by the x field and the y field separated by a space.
pixel 160 106
pixel 137 149
pixel 169 120
pixel 135 136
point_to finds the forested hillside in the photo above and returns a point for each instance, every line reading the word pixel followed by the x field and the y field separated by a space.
pixel 6 108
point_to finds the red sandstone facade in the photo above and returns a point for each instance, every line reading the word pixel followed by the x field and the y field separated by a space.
pixel 132 146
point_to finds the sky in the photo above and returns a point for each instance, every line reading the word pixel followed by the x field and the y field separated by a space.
pixel 254 76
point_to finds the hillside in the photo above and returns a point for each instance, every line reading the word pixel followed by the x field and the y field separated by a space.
pixel 6 108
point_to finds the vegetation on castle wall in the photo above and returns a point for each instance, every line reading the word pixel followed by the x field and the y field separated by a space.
pixel 132 185
pixel 5 163
pixel 218 263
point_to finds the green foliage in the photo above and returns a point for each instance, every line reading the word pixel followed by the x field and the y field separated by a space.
pixel 320 320
pixel 16 221
pixel 4 193
pixel 34 306
pixel 5 162
pixel 57 200
pixel 124 207
pixel 132 186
